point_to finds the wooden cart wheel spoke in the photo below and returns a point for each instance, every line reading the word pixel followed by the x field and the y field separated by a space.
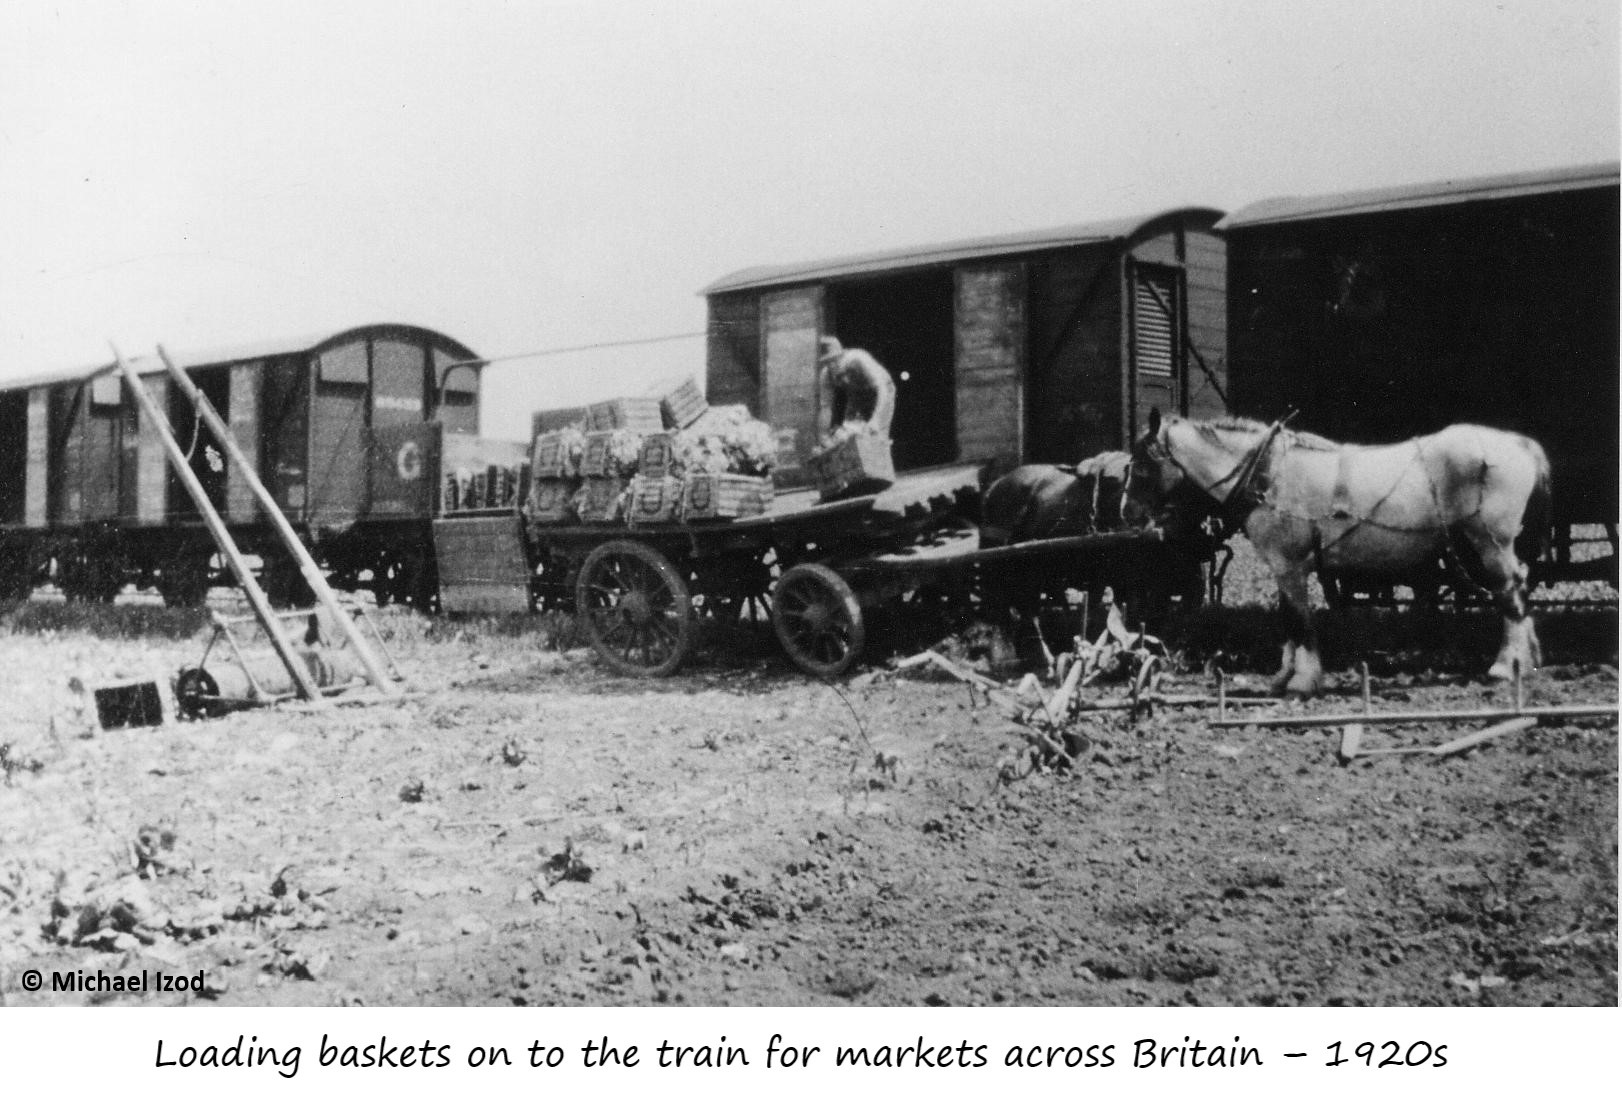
pixel 617 629
pixel 818 620
pixel 639 611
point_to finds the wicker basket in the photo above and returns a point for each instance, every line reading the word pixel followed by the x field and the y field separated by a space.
pixel 598 459
pixel 653 499
pixel 551 501
pixel 858 465
pixel 657 455
pixel 708 495
pixel 639 413
pixel 682 403
pixel 601 499
pixel 549 460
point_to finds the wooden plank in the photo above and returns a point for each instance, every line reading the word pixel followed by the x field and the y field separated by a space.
pixel 284 419
pixel 1160 249
pixel 66 464
pixel 732 351
pixel 791 324
pixel 990 359
pixel 36 486
pixel 403 470
pixel 483 568
pixel 129 460
pixel 151 462
pixel 337 454
pixel 345 364
pixel 399 373
pixel 101 458
pixel 240 505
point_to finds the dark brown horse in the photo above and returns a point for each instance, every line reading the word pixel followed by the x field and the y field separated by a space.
pixel 1036 501
pixel 1475 495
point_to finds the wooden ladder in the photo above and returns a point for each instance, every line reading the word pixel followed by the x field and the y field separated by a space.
pixel 376 674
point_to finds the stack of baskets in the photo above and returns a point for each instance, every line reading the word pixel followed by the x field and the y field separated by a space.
pixel 659 458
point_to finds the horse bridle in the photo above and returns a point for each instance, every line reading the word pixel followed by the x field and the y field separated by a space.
pixel 1242 475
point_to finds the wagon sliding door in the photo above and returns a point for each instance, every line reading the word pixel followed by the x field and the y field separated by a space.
pixel 338 423
pixel 1156 357
pixel 790 324
pixel 989 355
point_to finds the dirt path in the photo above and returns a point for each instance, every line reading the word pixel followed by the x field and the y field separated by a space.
pixel 534 831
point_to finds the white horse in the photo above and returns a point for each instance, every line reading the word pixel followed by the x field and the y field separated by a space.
pixel 1476 495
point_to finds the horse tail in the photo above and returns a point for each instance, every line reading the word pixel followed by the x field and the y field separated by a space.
pixel 1533 540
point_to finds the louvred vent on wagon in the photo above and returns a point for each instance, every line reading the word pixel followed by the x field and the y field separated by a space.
pixel 1154 334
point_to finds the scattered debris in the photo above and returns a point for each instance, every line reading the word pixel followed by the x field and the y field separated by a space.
pixel 151 849
pixel 138 705
pixel 11 764
pixel 1352 736
pixel 566 866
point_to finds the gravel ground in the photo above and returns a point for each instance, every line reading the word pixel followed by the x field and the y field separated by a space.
pixel 527 829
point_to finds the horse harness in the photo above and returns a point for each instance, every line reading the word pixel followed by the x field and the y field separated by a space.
pixel 1237 504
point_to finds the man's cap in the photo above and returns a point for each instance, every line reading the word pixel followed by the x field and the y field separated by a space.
pixel 829 347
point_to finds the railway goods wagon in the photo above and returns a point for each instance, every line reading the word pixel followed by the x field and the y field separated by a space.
pixel 87 497
pixel 1380 315
pixel 1045 346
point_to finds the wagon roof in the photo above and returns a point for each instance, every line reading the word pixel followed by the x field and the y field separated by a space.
pixel 1284 209
pixel 150 365
pixel 945 253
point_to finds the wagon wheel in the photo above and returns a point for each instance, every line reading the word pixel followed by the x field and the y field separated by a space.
pixel 16 573
pixel 284 583
pixel 818 619
pixel 635 608
pixel 183 577
pixel 405 578
pixel 91 571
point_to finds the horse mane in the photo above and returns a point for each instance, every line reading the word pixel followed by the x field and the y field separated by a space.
pixel 1210 429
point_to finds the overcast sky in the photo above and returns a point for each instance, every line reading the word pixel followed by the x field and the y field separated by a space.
pixel 532 175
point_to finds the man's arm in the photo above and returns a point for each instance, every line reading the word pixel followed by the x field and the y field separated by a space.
pixel 830 403
pixel 884 401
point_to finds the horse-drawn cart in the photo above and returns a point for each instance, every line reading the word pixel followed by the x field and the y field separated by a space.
pixel 823 571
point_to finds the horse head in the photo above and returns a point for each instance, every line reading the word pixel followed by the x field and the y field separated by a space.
pixel 1184 471
pixel 1152 476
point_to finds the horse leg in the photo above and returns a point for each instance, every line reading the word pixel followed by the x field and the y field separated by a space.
pixel 1506 578
pixel 1301 674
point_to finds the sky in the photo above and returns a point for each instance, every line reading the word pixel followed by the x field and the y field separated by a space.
pixel 545 175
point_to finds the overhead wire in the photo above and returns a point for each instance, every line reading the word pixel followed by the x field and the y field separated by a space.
pixel 561 349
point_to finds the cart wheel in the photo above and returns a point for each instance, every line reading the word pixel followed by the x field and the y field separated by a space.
pixel 818 619
pixel 635 607
pixel 196 695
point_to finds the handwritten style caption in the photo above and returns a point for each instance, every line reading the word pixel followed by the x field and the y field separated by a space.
pixel 776 1053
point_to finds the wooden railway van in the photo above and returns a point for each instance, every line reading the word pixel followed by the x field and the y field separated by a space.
pixel 87 497
pixel 1045 346
pixel 1379 315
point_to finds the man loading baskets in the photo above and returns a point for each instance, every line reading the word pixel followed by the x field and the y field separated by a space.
pixel 862 391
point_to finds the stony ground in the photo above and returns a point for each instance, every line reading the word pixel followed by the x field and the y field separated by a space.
pixel 527 829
